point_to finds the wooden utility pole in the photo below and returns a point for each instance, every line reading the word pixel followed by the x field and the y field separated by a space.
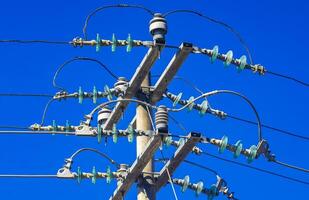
pixel 144 186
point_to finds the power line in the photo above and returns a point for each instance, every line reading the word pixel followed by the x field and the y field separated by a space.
pixel 257 169
pixel 80 59
pixel 25 95
pixel 227 26
pixel 201 166
pixel 269 127
pixel 34 41
pixel 290 166
pixel 112 6
pixel 288 77
pixel 28 176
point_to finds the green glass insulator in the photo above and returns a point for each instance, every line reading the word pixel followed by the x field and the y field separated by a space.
pixel 67 126
pixel 186 182
pixel 177 99
pixel 199 188
pixel 204 107
pixel 130 43
pixel 242 63
pixel 94 175
pixel 99 132
pixel 55 127
pixel 214 54
pixel 252 153
pixel 223 144
pixel 94 95
pixel 98 43
pixel 181 142
pixel 238 150
pixel 168 141
pixel 108 92
pixel 229 58
pixel 114 43
pixel 213 191
pixel 109 175
pixel 131 133
pixel 115 133
pixel 80 95
pixel 191 103
pixel 79 175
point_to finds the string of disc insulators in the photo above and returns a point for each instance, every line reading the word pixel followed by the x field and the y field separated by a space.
pixel 211 192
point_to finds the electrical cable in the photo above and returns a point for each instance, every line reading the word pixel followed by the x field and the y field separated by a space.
pixel 45 110
pixel 257 169
pixel 202 167
pixel 112 6
pixel 290 166
pixel 25 95
pixel 14 127
pixel 227 26
pixel 80 59
pixel 287 77
pixel 95 151
pixel 269 127
pixel 28 176
pixel 228 92
pixel 34 41
pixel 36 132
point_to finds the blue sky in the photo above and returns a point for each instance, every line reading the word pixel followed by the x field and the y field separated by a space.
pixel 276 32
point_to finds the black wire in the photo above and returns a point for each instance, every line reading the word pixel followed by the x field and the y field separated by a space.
pixel 13 127
pixel 290 166
pixel 287 77
pixel 45 110
pixel 227 26
pixel 95 151
pixel 201 166
pixel 112 6
pixel 25 95
pixel 34 41
pixel 270 127
pixel 257 169
pixel 80 59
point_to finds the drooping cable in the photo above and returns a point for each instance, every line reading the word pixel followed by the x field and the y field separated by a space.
pixel 45 110
pixel 111 6
pixel 227 26
pixel 95 151
pixel 228 92
pixel 257 169
pixel 80 59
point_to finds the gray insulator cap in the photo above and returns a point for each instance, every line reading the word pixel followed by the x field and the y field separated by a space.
pixel 121 84
pixel 103 115
pixel 161 119
pixel 158 28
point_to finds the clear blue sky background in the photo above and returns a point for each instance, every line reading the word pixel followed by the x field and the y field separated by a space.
pixel 276 31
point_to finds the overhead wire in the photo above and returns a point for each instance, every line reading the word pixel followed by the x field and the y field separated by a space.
pixel 91 14
pixel 25 95
pixel 257 169
pixel 109 71
pixel 196 88
pixel 201 166
pixel 224 24
pixel 290 166
pixel 95 151
pixel 28 176
pixel 287 77
pixel 34 41
pixel 45 110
